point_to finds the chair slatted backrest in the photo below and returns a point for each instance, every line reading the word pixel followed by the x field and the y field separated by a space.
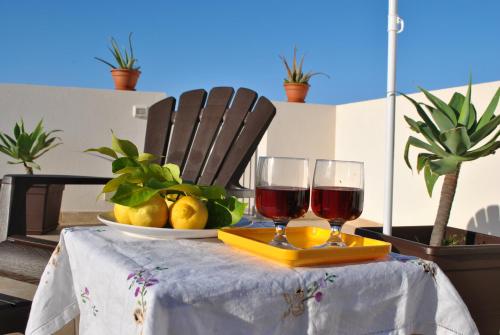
pixel 211 137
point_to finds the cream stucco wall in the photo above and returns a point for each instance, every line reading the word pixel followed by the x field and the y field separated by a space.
pixel 351 132
pixel 360 135
pixel 301 130
pixel 86 116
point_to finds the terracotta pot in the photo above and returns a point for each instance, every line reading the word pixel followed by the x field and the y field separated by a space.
pixel 473 268
pixel 125 79
pixel 296 92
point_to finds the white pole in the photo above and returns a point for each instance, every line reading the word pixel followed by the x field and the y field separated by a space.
pixel 393 29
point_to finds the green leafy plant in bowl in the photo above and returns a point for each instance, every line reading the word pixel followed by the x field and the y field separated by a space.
pixel 25 147
pixel 138 179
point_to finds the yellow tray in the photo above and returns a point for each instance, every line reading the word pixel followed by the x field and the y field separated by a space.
pixel 255 240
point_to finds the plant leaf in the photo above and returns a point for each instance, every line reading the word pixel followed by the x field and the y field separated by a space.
pixel 132 195
pixel 456 103
pixel 224 212
pixel 463 119
pixel 489 112
pixel 445 165
pixel 442 121
pixel 175 171
pixel 106 62
pixel 413 141
pixel 441 105
pixel 113 184
pixel 104 151
pixel 188 189
pixel 123 162
pixel 145 157
pixel 423 158
pixel 430 179
pixel 424 116
pixel 456 140
pixel 125 147
pixel 485 130
pixel 213 192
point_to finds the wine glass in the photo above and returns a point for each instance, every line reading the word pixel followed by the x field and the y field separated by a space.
pixel 337 195
pixel 282 193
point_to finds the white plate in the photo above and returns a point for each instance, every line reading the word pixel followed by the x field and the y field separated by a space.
pixel 160 233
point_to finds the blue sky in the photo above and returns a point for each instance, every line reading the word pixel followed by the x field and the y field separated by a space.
pixel 183 45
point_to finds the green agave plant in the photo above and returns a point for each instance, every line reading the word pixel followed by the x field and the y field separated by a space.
pixel 137 179
pixel 453 134
pixel 295 74
pixel 125 59
pixel 24 147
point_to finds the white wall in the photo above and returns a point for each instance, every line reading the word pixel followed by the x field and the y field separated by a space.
pixel 301 130
pixel 351 132
pixel 86 116
pixel 360 135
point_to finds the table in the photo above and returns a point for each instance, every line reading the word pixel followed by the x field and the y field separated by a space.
pixel 121 284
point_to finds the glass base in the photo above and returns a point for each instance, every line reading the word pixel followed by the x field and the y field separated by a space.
pixel 280 240
pixel 335 239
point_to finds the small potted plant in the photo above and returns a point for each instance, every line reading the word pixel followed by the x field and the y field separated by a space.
pixel 297 82
pixel 452 134
pixel 43 202
pixel 125 73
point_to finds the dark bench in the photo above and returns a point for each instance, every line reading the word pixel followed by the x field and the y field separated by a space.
pixel 14 313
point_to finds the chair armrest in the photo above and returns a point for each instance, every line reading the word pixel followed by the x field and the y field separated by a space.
pixel 13 200
pixel 240 192
pixel 23 180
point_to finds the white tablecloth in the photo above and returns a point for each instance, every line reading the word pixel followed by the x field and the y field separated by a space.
pixel 122 285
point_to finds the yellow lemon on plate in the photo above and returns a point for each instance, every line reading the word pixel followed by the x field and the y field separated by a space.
pixel 188 213
pixel 153 213
pixel 121 214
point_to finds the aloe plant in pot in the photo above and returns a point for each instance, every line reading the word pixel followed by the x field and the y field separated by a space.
pixel 454 135
pixel 297 82
pixel 125 73
pixel 43 202
pixel 448 136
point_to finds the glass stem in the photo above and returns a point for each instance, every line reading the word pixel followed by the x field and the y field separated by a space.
pixel 280 239
pixel 335 238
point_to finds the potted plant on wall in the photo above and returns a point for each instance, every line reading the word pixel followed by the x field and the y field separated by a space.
pixel 297 82
pixel 43 202
pixel 125 73
pixel 452 134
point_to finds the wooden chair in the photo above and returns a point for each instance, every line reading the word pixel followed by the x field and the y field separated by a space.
pixel 212 137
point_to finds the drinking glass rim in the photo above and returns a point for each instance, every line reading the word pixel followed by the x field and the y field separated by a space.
pixel 283 157
pixel 340 161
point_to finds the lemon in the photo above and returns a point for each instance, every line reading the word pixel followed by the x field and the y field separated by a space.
pixel 121 214
pixel 153 213
pixel 188 213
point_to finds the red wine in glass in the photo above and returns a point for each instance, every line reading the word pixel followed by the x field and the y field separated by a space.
pixel 337 195
pixel 282 193
pixel 336 202
pixel 282 203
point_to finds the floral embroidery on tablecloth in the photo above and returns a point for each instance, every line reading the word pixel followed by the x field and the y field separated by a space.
pixel 428 266
pixel 52 264
pixel 140 281
pixel 85 296
pixel 55 255
pixel 72 229
pixel 296 301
